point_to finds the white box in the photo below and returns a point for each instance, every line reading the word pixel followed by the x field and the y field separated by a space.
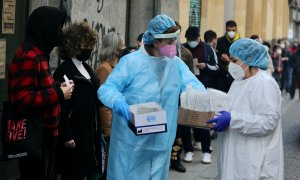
pixel 148 118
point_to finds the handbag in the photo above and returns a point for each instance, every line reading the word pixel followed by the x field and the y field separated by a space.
pixel 21 135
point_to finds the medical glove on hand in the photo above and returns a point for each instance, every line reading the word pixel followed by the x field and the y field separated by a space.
pixel 122 109
pixel 222 121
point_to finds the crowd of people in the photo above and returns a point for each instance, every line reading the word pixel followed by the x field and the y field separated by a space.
pixel 86 119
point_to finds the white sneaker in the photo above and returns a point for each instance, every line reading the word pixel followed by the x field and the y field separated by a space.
pixel 188 157
pixel 197 146
pixel 206 159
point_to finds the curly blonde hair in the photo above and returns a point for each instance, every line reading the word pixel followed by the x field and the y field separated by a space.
pixel 75 35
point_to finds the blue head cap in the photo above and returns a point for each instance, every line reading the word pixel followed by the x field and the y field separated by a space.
pixel 250 52
pixel 158 25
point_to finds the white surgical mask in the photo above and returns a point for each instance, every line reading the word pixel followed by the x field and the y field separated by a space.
pixel 236 71
pixel 193 44
pixel 231 34
pixel 279 51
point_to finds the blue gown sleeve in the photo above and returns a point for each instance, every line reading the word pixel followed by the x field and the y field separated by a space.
pixel 115 84
pixel 188 78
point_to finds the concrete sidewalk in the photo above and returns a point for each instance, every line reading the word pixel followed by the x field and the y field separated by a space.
pixel 197 170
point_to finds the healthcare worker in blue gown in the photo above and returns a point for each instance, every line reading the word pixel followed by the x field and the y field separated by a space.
pixel 152 74
pixel 250 139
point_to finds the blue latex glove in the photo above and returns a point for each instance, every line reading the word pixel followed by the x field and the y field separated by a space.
pixel 122 109
pixel 222 121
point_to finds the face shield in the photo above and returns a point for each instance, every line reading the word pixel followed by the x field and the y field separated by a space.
pixel 175 40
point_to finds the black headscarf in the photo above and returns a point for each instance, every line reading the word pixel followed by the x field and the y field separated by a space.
pixel 45 28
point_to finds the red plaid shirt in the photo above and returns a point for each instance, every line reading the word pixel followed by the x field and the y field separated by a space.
pixel 31 87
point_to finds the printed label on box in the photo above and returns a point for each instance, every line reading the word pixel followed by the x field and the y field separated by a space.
pixel 151 129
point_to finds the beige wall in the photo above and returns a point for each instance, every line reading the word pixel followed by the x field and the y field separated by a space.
pixel 267 16
pixel 240 16
pixel 184 17
pixel 285 30
pixel 212 17
pixel 253 18
pixel 168 7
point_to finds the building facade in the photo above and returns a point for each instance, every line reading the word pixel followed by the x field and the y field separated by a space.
pixel 294 20
pixel 268 18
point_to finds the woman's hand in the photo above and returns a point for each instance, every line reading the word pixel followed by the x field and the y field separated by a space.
pixel 67 88
pixel 70 144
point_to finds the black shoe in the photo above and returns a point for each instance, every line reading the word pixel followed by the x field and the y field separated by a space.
pixel 177 166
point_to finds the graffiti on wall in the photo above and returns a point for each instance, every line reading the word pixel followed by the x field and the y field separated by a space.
pixel 97 25
pixel 101 30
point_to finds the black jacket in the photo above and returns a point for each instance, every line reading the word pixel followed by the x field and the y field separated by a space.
pixel 224 78
pixel 79 121
pixel 223 46
pixel 295 60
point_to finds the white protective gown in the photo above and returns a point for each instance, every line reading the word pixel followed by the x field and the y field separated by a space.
pixel 252 146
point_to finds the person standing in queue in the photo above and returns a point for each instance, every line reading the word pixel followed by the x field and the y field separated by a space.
pixel 224 79
pixel 32 89
pixel 78 153
pixel 111 50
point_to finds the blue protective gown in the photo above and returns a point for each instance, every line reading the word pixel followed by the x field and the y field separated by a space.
pixel 140 78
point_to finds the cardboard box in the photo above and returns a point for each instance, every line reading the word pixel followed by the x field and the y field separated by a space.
pixel 148 118
pixel 192 118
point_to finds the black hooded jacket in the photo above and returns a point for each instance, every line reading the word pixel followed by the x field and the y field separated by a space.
pixel 31 87
pixel 44 28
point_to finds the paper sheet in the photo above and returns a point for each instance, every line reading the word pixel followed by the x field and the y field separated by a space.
pixel 2 58
pixel 209 101
pixel 8 16
pixel 196 69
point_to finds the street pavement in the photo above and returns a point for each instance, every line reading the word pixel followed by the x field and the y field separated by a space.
pixel 291 142
pixel 291 138
pixel 197 170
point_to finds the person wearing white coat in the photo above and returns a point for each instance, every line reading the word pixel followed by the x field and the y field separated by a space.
pixel 250 139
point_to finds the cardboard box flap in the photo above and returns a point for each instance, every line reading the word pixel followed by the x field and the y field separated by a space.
pixel 194 118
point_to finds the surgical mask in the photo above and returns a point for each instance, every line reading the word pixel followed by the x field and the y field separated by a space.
pixel 236 71
pixel 231 34
pixel 279 51
pixel 85 54
pixel 193 44
pixel 168 50
pixel 282 45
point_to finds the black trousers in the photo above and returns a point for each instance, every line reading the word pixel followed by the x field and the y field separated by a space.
pixel 177 146
pixel 200 135
pixel 295 82
pixel 32 168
